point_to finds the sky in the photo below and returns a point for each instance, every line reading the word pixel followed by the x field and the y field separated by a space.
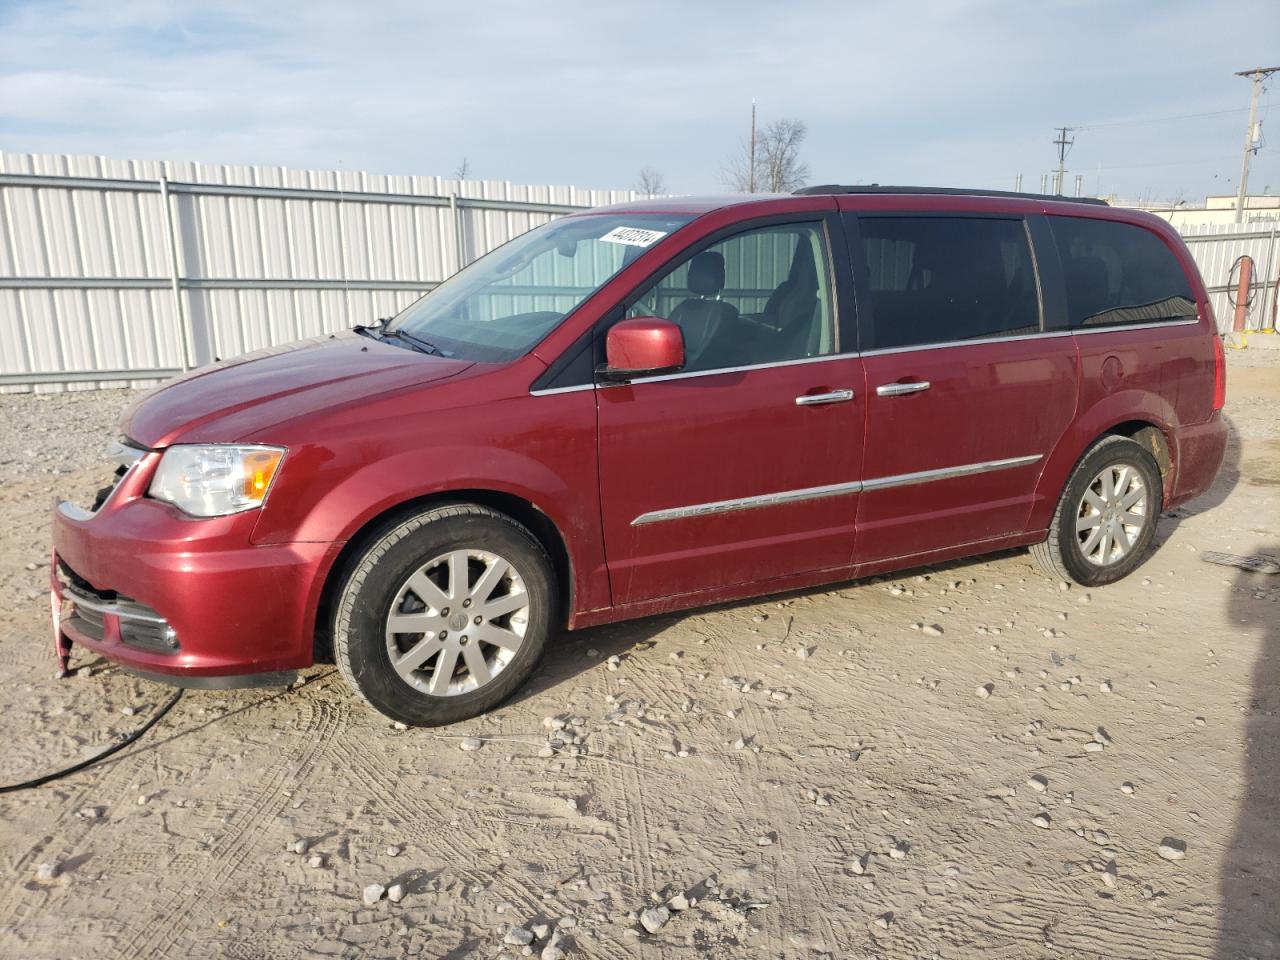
pixel 961 93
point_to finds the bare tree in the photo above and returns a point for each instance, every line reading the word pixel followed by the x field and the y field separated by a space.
pixel 778 168
pixel 650 182
pixel 461 170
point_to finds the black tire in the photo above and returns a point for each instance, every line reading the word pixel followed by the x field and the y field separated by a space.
pixel 1062 554
pixel 377 578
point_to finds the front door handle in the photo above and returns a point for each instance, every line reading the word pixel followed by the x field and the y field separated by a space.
pixel 901 389
pixel 817 399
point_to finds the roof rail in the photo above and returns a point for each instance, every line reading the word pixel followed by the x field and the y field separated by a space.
pixel 875 188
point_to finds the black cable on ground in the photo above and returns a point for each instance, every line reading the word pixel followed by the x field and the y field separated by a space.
pixel 97 758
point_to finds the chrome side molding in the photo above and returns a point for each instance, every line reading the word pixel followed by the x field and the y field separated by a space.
pixel 831 490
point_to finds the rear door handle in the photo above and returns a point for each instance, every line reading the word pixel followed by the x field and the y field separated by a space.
pixel 817 399
pixel 901 389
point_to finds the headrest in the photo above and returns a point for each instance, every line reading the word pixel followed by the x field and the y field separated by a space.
pixel 706 273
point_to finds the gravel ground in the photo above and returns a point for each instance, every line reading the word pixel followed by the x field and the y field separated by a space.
pixel 962 759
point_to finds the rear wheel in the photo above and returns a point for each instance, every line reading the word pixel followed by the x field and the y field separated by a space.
pixel 1106 517
pixel 445 615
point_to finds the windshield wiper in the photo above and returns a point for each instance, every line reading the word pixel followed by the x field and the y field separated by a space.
pixel 426 346
pixel 374 330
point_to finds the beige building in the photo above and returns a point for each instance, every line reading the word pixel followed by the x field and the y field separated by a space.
pixel 1216 211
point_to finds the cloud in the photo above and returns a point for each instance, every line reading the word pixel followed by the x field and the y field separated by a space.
pixel 938 92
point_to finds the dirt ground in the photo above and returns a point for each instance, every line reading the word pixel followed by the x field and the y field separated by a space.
pixel 814 773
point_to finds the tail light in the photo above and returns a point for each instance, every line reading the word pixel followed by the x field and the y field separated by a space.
pixel 1219 374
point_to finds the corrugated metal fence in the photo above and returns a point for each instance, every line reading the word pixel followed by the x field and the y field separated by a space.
pixel 1217 248
pixel 131 271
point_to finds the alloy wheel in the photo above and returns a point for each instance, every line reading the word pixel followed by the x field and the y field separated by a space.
pixel 457 622
pixel 1111 514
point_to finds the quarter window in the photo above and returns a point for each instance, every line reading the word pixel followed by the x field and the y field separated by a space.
pixel 762 296
pixel 938 279
pixel 1118 273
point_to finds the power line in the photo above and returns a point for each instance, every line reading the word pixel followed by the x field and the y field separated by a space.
pixel 1185 116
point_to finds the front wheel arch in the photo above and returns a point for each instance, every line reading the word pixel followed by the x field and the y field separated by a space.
pixel 518 509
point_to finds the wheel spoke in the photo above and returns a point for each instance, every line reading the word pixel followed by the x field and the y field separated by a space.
pixel 1120 536
pixel 417 655
pixel 1104 546
pixel 412 623
pixel 1095 501
pixel 1135 495
pixel 1133 519
pixel 459 581
pixel 1124 477
pixel 505 604
pixel 1088 522
pixel 1092 542
pixel 493 573
pixel 1108 485
pixel 497 636
pixel 443 675
pixel 427 591
pixel 476 663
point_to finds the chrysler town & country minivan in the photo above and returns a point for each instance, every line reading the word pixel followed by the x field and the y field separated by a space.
pixel 645 408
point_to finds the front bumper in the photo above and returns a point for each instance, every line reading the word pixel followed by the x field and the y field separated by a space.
pixel 181 599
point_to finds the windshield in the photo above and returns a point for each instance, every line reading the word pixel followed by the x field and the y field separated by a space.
pixel 499 307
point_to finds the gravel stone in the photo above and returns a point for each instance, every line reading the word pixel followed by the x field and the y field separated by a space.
pixel 655 918
pixel 373 893
pixel 1042 821
pixel 518 937
pixel 471 743
pixel 1171 848
pixel 1038 782
pixel 395 893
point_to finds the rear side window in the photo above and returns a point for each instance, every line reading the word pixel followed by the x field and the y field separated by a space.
pixel 1118 273
pixel 940 279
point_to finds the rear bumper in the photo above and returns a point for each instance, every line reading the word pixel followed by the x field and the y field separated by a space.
pixel 1200 451
pixel 181 599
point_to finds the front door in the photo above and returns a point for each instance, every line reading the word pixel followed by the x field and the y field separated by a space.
pixel 744 466
pixel 966 396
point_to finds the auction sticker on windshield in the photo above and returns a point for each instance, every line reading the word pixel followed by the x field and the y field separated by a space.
pixel 634 236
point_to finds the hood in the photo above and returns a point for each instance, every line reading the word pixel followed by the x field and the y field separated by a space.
pixel 234 399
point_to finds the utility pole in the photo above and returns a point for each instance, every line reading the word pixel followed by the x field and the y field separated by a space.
pixel 751 151
pixel 1257 75
pixel 1063 145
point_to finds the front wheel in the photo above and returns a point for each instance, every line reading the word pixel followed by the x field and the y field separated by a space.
pixel 445 615
pixel 1106 517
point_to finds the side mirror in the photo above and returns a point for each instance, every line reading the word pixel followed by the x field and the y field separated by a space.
pixel 642 346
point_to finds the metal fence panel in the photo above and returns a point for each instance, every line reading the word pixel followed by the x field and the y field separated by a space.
pixel 264 255
pixel 132 269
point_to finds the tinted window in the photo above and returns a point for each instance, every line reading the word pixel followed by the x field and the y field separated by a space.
pixel 1118 273
pixel 936 279
pixel 761 296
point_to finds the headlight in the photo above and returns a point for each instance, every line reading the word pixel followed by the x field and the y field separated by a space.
pixel 215 480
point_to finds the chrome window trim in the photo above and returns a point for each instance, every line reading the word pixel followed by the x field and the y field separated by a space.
pixel 743 369
pixel 1044 335
pixel 831 490
pixel 552 391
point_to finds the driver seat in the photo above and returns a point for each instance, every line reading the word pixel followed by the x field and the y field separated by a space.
pixel 702 317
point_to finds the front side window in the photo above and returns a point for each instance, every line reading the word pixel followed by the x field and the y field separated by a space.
pixel 1118 273
pixel 500 306
pixel 939 279
pixel 761 296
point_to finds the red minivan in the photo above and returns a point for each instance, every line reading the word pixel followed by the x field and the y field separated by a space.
pixel 649 407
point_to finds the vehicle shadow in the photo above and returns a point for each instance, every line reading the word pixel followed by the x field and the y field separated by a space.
pixel 1250 885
